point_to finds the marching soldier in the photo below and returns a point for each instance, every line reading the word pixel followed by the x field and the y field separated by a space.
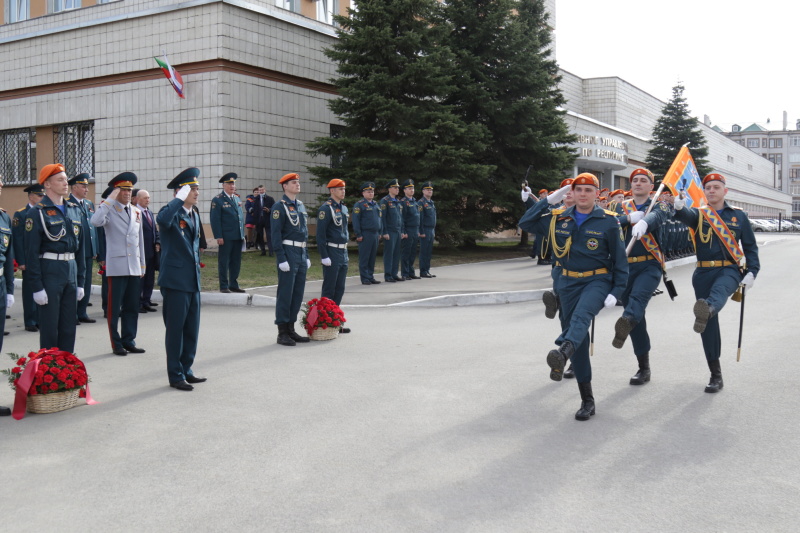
pixel 179 278
pixel 410 237
pixel 427 230
pixel 332 238
pixel 588 243
pixel 367 229
pixel 289 227
pixel 124 260
pixel 391 230
pixel 30 310
pixel 227 223
pixel 645 267
pixel 80 188
pixel 54 259
pixel 727 256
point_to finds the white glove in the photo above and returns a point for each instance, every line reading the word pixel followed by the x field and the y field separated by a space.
pixel 679 203
pixel 556 197
pixel 639 229
pixel 9 301
pixel 81 293
pixel 183 194
pixel 308 263
pixel 40 297
pixel 748 281
pixel 326 261
pixel 611 301
pixel 635 217
pixel 526 192
pixel 284 266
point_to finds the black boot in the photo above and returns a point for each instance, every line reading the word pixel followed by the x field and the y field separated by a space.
pixel 622 329
pixel 569 373
pixel 702 314
pixel 715 384
pixel 643 375
pixel 550 301
pixel 587 402
pixel 283 335
pixel 557 358
pixel 293 334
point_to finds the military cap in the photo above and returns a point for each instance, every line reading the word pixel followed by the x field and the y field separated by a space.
pixel 334 183
pixel 123 181
pixel 80 179
pixel 643 172
pixel 628 194
pixel 368 186
pixel 602 198
pixel 392 183
pixel 714 177
pixel 427 185
pixel 289 177
pixel 107 192
pixel 187 177
pixel 617 191
pixel 408 183
pixel 34 189
pixel 230 177
pixel 542 191
pixel 50 170
pixel 586 179
pixel 566 182
pixel 604 190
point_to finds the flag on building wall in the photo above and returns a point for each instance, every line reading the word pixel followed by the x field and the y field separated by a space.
pixel 172 75
pixel 682 176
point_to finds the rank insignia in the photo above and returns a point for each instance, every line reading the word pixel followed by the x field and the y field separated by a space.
pixel 592 244
pixel 15 222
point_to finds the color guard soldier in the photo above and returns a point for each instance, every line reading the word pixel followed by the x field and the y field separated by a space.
pixel 588 243
pixel 289 227
pixel 179 278
pixel 227 223
pixel 54 259
pixel 727 256
pixel 124 260
pixel 645 267
pixel 410 237
pixel 391 230
pixel 332 239
pixel 30 310
pixel 427 232
pixel 367 229
pixel 78 196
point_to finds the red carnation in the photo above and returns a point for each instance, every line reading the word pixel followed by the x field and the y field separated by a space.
pixel 48 378
pixel 16 370
pixel 82 393
pixel 54 386
pixel 21 361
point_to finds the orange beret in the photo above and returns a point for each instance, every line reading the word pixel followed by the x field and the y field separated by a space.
pixel 586 179
pixel 627 194
pixel 603 190
pixel 289 177
pixel 566 182
pixel 542 191
pixel 714 177
pixel 617 191
pixel 602 198
pixel 335 183
pixel 643 172
pixel 49 170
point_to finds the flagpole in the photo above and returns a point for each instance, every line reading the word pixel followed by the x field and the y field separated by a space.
pixel 649 208
pixel 591 343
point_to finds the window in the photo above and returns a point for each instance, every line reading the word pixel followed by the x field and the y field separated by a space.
pixel 749 167
pixel 730 159
pixel 763 143
pixel 776 143
pixel 776 158
pixel 796 140
pixel 291 5
pixel 18 156
pixel 752 143
pixel 326 9
pixel 794 173
pixel 73 146
pixel 56 6
pixel 18 10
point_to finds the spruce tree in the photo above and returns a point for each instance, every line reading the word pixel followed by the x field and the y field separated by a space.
pixel 673 129
pixel 508 83
pixel 394 74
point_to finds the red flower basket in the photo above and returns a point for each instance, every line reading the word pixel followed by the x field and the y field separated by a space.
pixel 322 319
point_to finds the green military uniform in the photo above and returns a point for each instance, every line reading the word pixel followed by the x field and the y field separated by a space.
pixel 427 232
pixel 227 223
pixel 86 208
pixel 367 227
pixel 30 310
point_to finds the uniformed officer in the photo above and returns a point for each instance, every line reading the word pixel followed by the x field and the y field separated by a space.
pixel 179 278
pixel 367 229
pixel 409 242
pixel 124 260
pixel 427 232
pixel 645 267
pixel 54 259
pixel 332 239
pixel 30 310
pixel 227 223
pixel 727 256
pixel 80 189
pixel 7 273
pixel 588 243
pixel 391 230
pixel 289 227
pixel 101 259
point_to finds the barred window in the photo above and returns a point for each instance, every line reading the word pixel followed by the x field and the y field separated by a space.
pixel 73 146
pixel 18 156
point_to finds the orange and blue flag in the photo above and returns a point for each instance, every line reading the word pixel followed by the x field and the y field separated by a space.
pixel 682 176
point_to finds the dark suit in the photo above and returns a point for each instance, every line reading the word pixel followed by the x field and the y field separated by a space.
pixel 262 205
pixel 150 231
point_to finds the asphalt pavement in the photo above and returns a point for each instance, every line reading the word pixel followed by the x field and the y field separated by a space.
pixel 424 418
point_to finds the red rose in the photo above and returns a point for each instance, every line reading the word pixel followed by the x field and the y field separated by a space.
pixel 48 378
pixel 324 326
pixel 21 361
pixel 54 386
pixel 336 323
pixel 16 370
pixel 82 393
pixel 70 384
pixel 42 368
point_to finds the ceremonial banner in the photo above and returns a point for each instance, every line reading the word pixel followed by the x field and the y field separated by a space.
pixel 172 75
pixel 682 176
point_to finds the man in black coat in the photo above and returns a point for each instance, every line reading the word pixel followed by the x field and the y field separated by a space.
pixel 152 247
pixel 262 205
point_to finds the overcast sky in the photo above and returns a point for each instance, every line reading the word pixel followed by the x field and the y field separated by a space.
pixel 737 60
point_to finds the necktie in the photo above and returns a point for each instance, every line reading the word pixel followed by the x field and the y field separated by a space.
pixel 127 212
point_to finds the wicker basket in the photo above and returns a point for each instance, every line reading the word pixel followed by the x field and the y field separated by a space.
pixel 53 402
pixel 324 334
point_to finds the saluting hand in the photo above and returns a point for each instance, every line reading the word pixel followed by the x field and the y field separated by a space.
pixel 183 194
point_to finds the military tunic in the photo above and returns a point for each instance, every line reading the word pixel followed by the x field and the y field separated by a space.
pixel 391 226
pixel 30 310
pixel 227 223
pixel 332 239
pixel 289 232
pixel 367 226
pixel 6 266
pixel 428 229
pixel 89 251
pixel 409 245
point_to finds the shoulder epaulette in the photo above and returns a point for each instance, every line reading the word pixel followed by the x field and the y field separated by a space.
pixel 220 195
pixel 734 207
pixel 21 209
pixel 557 211
pixel 611 213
